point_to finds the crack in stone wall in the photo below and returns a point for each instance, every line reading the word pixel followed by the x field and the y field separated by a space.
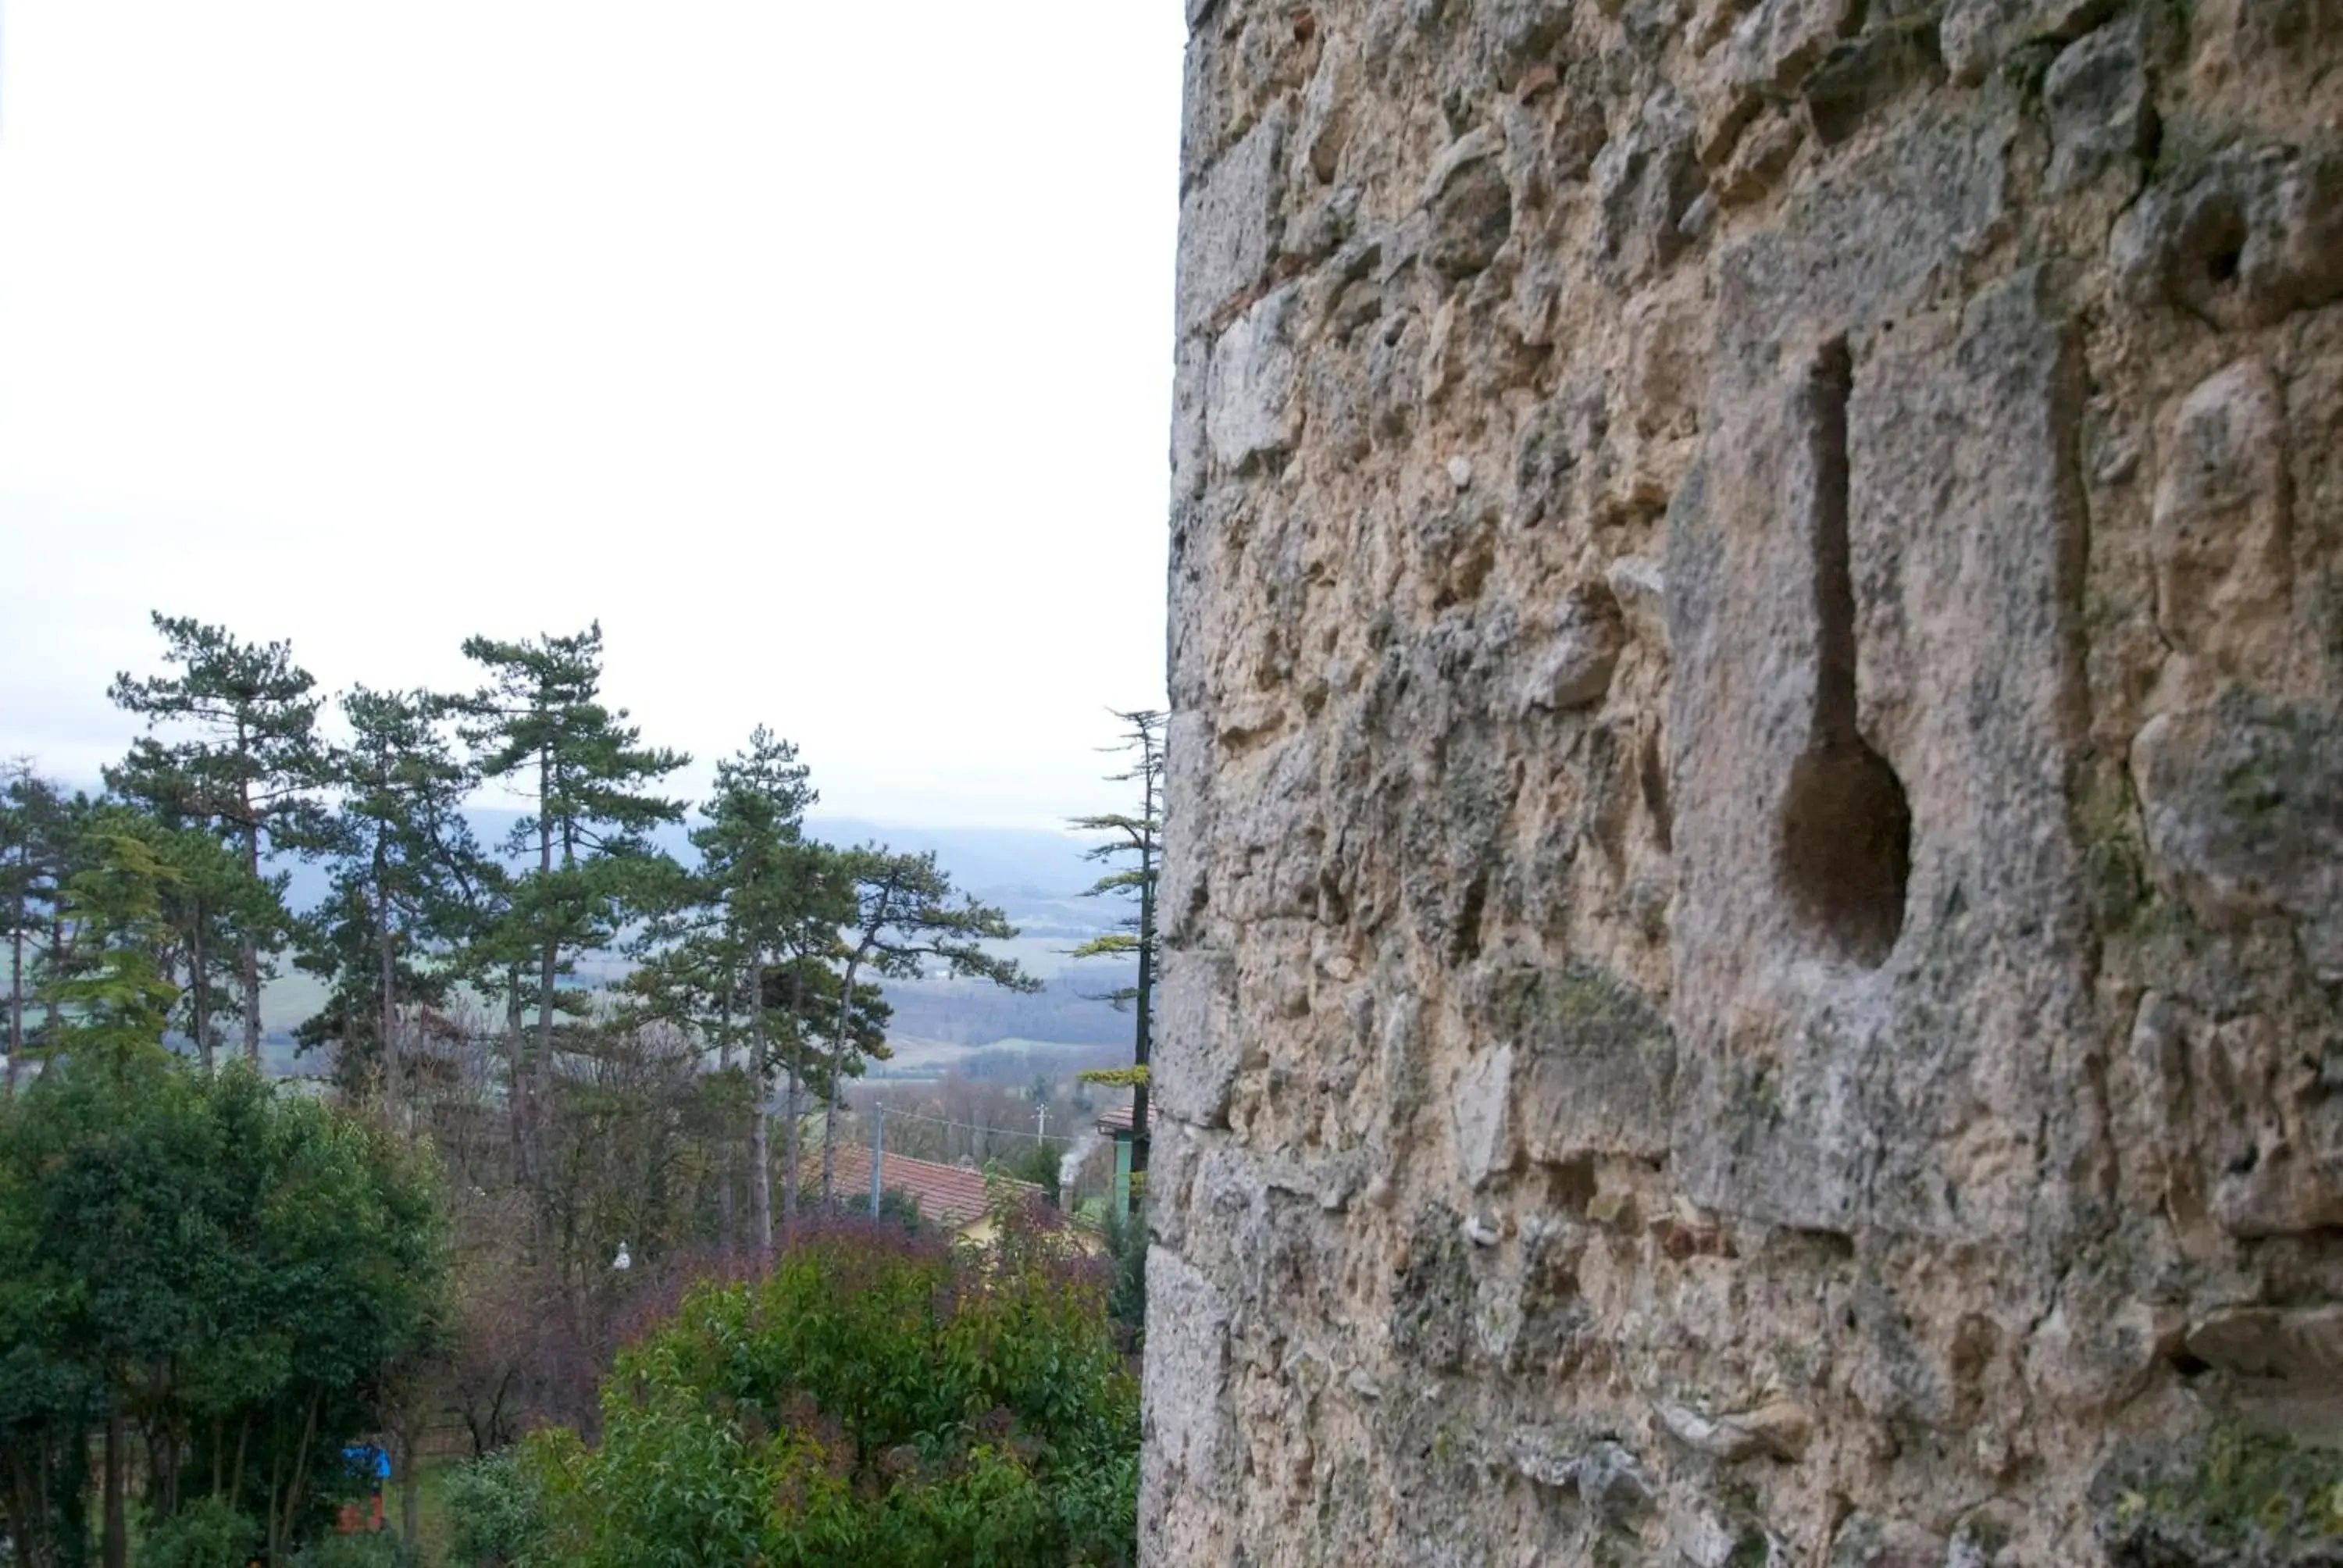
pixel 1755 864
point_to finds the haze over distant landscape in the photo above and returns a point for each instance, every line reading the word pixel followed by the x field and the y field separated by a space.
pixel 1037 877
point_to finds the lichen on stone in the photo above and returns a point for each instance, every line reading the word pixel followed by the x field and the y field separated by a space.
pixel 2227 1497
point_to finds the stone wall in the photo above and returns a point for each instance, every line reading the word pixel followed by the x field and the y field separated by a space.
pixel 1755 868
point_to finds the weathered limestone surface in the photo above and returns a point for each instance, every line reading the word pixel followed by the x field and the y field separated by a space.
pixel 1755 845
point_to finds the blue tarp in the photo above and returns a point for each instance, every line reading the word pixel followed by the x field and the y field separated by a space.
pixel 366 1459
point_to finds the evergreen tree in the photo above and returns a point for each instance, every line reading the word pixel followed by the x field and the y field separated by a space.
pixel 245 771
pixel 231 1272
pixel 903 915
pixel 1137 842
pixel 35 840
pixel 113 989
pixel 543 727
pixel 403 858
pixel 768 882
pixel 686 977
pixel 209 900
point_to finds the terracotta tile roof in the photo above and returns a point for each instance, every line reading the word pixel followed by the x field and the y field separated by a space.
pixel 951 1195
pixel 1119 1120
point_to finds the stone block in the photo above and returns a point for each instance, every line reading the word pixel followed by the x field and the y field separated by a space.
pixel 2220 534
pixel 1480 1117
pixel 2096 95
pixel 2242 238
pixel 1249 408
pixel 1197 1050
pixel 1188 1442
pixel 1594 1061
pixel 1978 34
pixel 1229 223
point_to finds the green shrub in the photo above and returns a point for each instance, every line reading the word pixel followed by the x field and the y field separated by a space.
pixel 881 1398
pixel 206 1533
pixel 1126 1303
pixel 375 1550
pixel 492 1507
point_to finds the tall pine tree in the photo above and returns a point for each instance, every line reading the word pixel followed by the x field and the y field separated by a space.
pixel 1136 841
pixel 207 903
pixel 115 994
pixel 243 766
pixel 545 731
pixel 36 837
pixel 767 882
pixel 403 856
pixel 903 915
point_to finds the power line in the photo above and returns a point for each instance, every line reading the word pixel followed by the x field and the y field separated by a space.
pixel 893 1115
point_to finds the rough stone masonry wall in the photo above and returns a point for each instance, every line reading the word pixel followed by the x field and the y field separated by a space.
pixel 1756 866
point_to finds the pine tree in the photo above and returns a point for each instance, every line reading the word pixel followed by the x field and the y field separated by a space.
pixel 208 901
pixel 246 772
pixel 767 884
pixel 686 976
pixel 903 915
pixel 543 727
pixel 403 857
pixel 113 989
pixel 34 842
pixel 1137 841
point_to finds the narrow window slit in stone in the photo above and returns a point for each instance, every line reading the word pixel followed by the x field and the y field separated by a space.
pixel 1846 827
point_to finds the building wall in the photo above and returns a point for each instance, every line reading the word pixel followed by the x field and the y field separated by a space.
pixel 1755 830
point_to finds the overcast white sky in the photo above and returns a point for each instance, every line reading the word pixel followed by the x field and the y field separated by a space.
pixel 822 351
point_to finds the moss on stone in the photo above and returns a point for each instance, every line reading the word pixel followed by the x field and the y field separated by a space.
pixel 2329 593
pixel 1579 998
pixel 2115 850
pixel 1432 1300
pixel 1979 1539
pixel 2231 1496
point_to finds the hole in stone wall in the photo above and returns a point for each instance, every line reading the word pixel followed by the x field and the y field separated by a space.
pixel 1651 774
pixel 1846 827
pixel 2215 241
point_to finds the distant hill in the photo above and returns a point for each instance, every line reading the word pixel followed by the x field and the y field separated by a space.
pixel 997 864
pixel 1037 878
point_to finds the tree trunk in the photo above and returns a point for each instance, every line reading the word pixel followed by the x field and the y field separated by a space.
pixel 760 1145
pixel 727 1226
pixel 410 1490
pixel 17 997
pixel 837 1083
pixel 1140 1033
pixel 55 967
pixel 236 1475
pixel 280 1536
pixel 515 1072
pixel 548 962
pixel 201 1001
pixel 387 957
pixel 793 1104
pixel 792 1142
pixel 548 965
pixel 247 951
pixel 117 1524
pixel 17 966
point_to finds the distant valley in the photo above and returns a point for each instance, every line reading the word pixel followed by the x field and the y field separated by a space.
pixel 1038 878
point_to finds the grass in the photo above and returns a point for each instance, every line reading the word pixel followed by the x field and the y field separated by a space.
pixel 434 1529
pixel 433 1526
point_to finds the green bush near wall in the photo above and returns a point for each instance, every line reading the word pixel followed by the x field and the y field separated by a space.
pixel 881 1398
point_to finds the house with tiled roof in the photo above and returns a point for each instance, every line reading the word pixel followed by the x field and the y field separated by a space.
pixel 951 1197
